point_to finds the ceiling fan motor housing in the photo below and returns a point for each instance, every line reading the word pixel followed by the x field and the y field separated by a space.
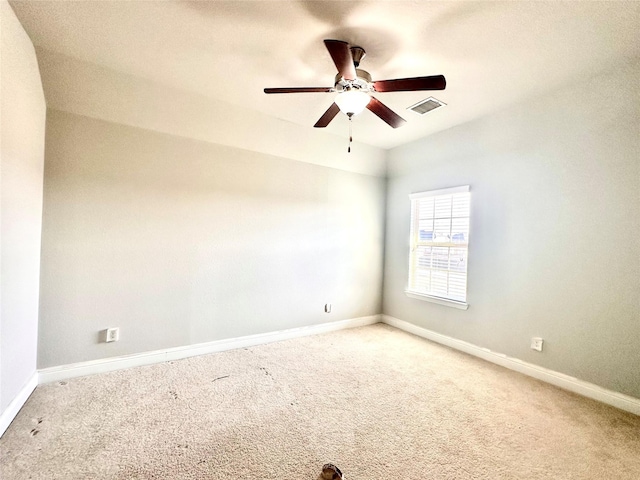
pixel 362 82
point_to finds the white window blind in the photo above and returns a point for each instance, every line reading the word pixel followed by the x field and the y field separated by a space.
pixel 439 243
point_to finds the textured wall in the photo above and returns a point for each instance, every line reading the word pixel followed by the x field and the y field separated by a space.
pixel 178 241
pixel 22 153
pixel 555 233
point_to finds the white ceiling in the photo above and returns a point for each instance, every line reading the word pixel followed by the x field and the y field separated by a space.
pixel 492 53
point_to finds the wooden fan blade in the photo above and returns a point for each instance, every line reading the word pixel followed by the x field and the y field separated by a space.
pixel 299 90
pixel 385 113
pixel 435 82
pixel 341 56
pixel 331 112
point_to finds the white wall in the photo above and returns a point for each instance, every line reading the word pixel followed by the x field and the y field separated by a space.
pixel 22 158
pixel 555 232
pixel 179 241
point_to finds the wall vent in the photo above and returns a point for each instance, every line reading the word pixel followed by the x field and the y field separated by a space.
pixel 426 105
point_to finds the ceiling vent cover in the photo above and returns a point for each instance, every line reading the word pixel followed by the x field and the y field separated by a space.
pixel 426 105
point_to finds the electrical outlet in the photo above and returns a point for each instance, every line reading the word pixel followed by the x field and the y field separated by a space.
pixel 113 335
pixel 536 344
pixel 327 308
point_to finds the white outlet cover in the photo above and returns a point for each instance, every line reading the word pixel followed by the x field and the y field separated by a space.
pixel 113 335
pixel 536 343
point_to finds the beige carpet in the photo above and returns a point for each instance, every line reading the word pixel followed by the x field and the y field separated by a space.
pixel 377 402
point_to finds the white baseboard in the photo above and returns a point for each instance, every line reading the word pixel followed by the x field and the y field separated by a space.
pixel 590 390
pixel 63 372
pixel 619 400
pixel 16 404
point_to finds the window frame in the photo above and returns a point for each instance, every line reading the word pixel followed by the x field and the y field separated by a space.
pixel 414 243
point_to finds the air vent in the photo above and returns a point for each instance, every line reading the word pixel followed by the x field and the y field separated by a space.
pixel 426 105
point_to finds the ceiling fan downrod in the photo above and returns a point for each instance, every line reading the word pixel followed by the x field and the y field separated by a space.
pixel 357 53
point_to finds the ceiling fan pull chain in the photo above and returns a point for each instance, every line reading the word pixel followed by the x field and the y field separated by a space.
pixel 350 135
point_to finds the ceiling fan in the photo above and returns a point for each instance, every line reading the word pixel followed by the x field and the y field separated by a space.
pixel 355 87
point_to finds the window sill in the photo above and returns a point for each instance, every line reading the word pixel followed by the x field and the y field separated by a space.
pixel 440 301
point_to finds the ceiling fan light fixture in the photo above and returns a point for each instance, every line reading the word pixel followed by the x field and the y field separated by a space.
pixel 352 101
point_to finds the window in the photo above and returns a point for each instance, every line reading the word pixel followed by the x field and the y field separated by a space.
pixel 439 246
